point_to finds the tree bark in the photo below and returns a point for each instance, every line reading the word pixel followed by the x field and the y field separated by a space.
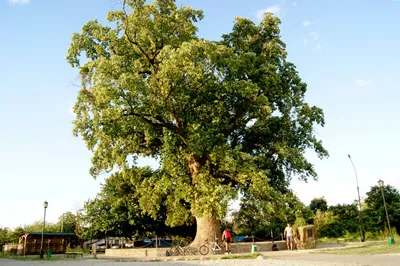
pixel 207 230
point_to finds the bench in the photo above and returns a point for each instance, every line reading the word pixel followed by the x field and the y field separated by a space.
pixel 73 254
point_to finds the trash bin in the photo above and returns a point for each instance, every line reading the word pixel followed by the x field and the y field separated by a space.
pixel 390 241
pixel 253 248
pixel 49 253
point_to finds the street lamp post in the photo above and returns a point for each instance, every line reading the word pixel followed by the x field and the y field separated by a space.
pixel 45 204
pixel 382 185
pixel 62 223
pixel 360 218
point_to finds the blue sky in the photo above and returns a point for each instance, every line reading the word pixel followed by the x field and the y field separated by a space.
pixel 347 52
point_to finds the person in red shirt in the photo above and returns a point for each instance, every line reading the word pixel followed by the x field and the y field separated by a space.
pixel 226 238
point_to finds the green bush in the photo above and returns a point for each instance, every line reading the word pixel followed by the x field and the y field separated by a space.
pixel 369 236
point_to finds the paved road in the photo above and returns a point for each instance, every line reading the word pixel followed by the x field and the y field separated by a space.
pixel 282 258
pixel 370 260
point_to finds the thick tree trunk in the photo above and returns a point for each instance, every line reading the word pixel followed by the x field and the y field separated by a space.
pixel 207 230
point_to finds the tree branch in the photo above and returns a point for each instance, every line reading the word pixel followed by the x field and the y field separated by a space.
pixel 151 61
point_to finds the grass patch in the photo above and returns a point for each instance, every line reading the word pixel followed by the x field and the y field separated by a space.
pixel 326 240
pixel 58 257
pixel 355 237
pixel 240 256
pixel 28 258
pixel 369 248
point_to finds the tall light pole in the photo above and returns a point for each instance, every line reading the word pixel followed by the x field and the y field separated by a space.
pixel 62 223
pixel 45 204
pixel 382 185
pixel 360 218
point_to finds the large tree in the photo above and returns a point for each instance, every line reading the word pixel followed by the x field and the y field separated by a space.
pixel 220 117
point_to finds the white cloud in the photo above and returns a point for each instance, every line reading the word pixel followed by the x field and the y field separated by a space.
pixel 318 47
pixel 307 23
pixel 294 4
pixel 275 9
pixel 314 35
pixel 363 82
pixel 18 2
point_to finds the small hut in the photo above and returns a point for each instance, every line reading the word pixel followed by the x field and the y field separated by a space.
pixel 56 242
pixel 307 236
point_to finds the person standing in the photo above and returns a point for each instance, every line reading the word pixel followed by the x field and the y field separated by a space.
pixel 288 234
pixel 226 238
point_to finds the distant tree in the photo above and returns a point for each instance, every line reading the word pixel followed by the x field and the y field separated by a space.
pixel 294 207
pixel 116 212
pixel 259 217
pixel 318 204
pixel 37 227
pixel 15 234
pixel 326 224
pixel 375 216
pixel 300 221
pixel 67 222
pixel 348 216
pixel 4 236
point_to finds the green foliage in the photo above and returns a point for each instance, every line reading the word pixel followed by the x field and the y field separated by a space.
pixel 318 204
pixel 368 248
pixel 258 218
pixel 67 222
pixel 38 225
pixel 13 236
pixel 348 217
pixel 116 212
pixel 374 214
pixel 4 236
pixel 300 221
pixel 181 240
pixel 221 117
pixel 327 224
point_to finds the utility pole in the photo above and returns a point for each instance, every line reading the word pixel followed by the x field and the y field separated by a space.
pixel 62 223
pixel 360 217
pixel 382 185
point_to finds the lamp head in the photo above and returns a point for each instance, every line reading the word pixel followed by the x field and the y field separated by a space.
pixel 45 204
pixel 349 156
pixel 381 183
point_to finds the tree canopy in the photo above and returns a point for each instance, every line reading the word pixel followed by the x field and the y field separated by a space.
pixel 116 212
pixel 259 218
pixel 375 215
pixel 67 222
pixel 319 204
pixel 220 117
pixel 348 218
